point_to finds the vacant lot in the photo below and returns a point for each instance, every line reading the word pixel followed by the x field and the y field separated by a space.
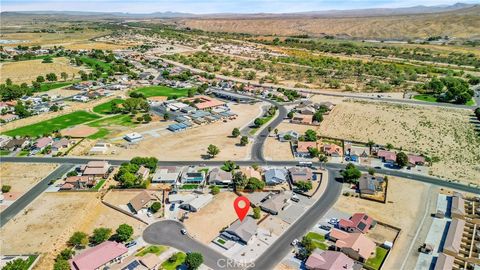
pixel 437 132
pixel 51 39
pixel 89 45
pixel 154 91
pixel 406 202
pixel 194 141
pixel 27 71
pixel 218 214
pixel 54 124
pixel 52 218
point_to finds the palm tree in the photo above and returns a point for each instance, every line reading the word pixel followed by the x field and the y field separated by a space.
pixel 370 144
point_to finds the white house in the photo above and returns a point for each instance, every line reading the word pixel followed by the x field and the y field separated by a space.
pixel 133 137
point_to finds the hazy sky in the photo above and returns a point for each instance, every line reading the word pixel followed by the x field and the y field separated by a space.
pixel 211 6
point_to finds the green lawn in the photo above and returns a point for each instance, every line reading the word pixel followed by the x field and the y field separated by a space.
pixel 318 240
pixel 4 152
pixel 154 91
pixel 117 120
pixel 106 108
pixel 375 262
pixel 157 250
pixel 99 184
pixel 54 124
pixel 31 259
pixel 91 62
pixel 431 98
pixel 54 85
pixel 23 153
pixel 167 265
pixel 189 186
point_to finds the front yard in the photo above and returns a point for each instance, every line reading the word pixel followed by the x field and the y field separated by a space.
pixel 374 263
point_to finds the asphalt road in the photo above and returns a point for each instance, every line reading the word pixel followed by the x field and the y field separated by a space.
pixel 168 233
pixel 415 177
pixel 17 206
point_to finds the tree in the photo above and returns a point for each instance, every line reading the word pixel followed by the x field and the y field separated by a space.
pixel 477 113
pixel 124 232
pixel 304 185
pixel 17 264
pixel 51 77
pixel 310 135
pixel 351 173
pixel 314 152
pixel 402 159
pixel 256 213
pixel 40 79
pixel 100 235
pixel 389 146
pixel 258 122
pixel 6 188
pixel 290 114
pixel 61 265
pixel 64 76
pixel 318 117
pixel 244 140
pixel 193 260
pixel 275 131
pixel 147 118
pixel 254 184
pixel 370 144
pixel 166 116
pixel 128 179
pixel 371 171
pixel 229 166
pixel 173 258
pixel 78 239
pixel 155 207
pixel 235 132
pixel 213 150
pixel 322 158
pixel 21 110
pixel 54 108
pixel 66 254
pixel 215 190
pixel 239 180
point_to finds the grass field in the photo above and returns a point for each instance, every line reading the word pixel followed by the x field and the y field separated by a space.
pixel 91 62
pixel 106 108
pixel 54 124
pixel 431 98
pixel 54 85
pixel 154 91
pixel 317 240
pixel 4 152
pixel 118 120
pixel 99 185
pixel 375 262
pixel 157 250
pixel 168 265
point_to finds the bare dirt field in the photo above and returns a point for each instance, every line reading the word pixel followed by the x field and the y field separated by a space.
pixel 50 39
pixel 218 214
pixel 52 218
pixel 436 132
pixel 27 71
pixel 23 176
pixel 120 197
pixel 89 45
pixel 406 202
pixel 194 141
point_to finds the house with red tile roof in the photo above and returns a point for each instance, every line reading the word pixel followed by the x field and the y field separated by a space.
pixel 302 148
pixel 329 260
pixel 302 119
pixel 96 168
pixel 43 142
pixel 205 102
pixel 99 256
pixel 387 156
pixel 414 160
pixel 332 150
pixel 355 245
pixel 359 222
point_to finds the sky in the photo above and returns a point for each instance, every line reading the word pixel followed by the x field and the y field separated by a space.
pixel 212 6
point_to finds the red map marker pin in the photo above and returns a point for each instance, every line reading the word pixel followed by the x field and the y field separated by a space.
pixel 241 205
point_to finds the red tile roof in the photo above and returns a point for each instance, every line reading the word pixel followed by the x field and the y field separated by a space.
pixel 359 221
pixel 358 242
pixel 387 155
pixel 97 256
pixel 329 260
pixel 304 146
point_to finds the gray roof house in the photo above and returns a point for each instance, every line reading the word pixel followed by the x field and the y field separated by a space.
pixel 275 176
pixel 300 174
pixel 369 184
pixel 241 231
pixel 219 177
pixel 276 202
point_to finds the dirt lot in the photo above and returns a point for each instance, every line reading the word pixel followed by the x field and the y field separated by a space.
pixel 217 214
pixel 437 132
pixel 52 218
pixel 120 197
pixel 406 202
pixel 27 71
pixel 194 141
pixel 88 45
pixel 50 39
pixel 23 176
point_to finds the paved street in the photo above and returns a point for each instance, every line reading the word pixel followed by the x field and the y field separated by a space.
pixel 17 206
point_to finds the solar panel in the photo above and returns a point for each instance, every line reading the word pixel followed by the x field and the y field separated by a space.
pixel 132 265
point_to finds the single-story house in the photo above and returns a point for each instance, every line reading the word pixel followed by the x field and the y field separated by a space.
pixel 43 142
pixel 355 245
pixel 143 172
pixel 192 176
pixel 250 172
pixel 151 261
pixel 332 150
pixel 276 202
pixel 307 111
pixel 457 206
pixel 205 102
pixel 359 222
pixel 133 137
pixel 9 117
pixel 414 160
pixel 141 201
pixel 327 104
pixel 300 174
pixel 369 184
pixel 99 256
pixel 78 182
pixel 302 119
pixel 357 152
pixel 99 148
pixel 275 176
pixel 96 168
pixel 4 139
pixel 197 202
pixel 166 175
pixel 219 177
pixel 328 260
pixel 241 231
pixel 61 145
pixel 14 144
pixel 288 136
pixel 387 156
pixel 302 149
